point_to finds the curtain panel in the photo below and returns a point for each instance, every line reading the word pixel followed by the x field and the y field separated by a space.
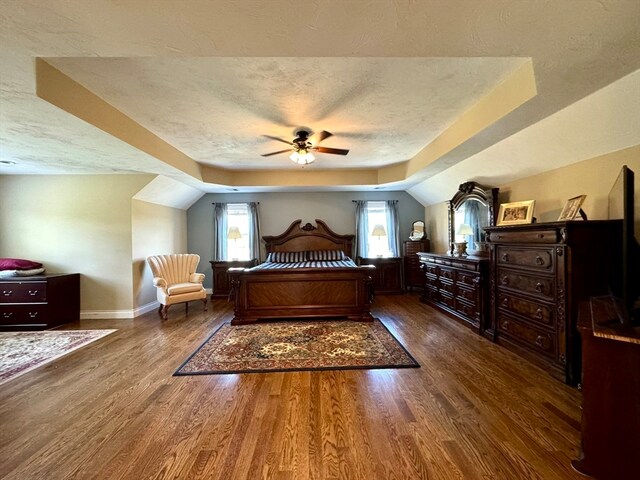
pixel 220 231
pixel 362 229
pixel 254 231
pixel 393 227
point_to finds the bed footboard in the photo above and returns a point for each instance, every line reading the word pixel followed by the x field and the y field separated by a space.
pixel 305 293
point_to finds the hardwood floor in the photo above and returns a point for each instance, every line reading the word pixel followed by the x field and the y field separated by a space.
pixel 113 410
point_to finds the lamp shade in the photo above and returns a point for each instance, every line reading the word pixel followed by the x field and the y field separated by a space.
pixel 464 229
pixel 379 231
pixel 234 233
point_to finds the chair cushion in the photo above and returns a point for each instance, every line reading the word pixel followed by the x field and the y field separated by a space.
pixel 178 288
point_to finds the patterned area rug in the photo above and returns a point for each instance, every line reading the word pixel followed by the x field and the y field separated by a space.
pixel 21 352
pixel 297 345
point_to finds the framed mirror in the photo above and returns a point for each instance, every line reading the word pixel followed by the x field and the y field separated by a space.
pixel 472 208
pixel 417 230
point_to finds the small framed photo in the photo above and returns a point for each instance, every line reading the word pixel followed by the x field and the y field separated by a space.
pixel 572 207
pixel 516 213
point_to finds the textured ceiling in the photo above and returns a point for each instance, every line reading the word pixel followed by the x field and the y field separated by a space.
pixel 390 79
pixel 216 110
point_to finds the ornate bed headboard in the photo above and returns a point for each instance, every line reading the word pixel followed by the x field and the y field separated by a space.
pixel 308 237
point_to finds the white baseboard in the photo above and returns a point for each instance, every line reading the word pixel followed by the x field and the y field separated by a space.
pixel 104 314
pixel 209 291
pixel 119 314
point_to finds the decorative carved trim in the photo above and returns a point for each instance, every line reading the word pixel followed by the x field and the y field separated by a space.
pixel 308 228
pixel 564 234
pixel 561 301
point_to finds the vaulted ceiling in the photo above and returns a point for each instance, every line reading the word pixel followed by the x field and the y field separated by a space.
pixel 423 94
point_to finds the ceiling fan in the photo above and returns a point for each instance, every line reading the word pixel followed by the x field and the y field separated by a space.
pixel 304 144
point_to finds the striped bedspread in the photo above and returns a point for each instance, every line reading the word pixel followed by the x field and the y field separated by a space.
pixel 347 262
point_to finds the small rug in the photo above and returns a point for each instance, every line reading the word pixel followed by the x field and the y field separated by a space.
pixel 297 345
pixel 21 352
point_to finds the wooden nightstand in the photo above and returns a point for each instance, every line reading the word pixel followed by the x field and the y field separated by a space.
pixel 387 277
pixel 221 285
pixel 39 302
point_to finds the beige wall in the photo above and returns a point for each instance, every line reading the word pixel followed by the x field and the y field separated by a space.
pixel 156 230
pixel 74 223
pixel 593 178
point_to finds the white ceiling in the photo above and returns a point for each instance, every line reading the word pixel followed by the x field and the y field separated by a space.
pixel 387 78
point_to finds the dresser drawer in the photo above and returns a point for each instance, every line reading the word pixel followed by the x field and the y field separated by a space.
pixel 470 279
pixel 534 311
pixel 23 292
pixel 431 280
pixel 446 286
pixel 467 310
pixel 546 235
pixel 538 286
pixel 22 314
pixel 468 294
pixel 528 335
pixel 430 294
pixel 447 273
pixel 411 248
pixel 430 269
pixel 534 258
pixel 446 300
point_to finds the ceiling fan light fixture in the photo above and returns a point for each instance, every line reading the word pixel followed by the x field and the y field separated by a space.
pixel 302 157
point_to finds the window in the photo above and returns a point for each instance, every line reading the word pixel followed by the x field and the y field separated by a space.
pixel 237 231
pixel 378 236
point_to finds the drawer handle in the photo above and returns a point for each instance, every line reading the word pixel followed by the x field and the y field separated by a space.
pixel 7 293
pixel 33 314
pixel 539 260
pixel 505 302
pixel 505 257
pixel 538 314
pixel 540 341
pixel 33 293
pixel 539 287
pixel 7 314
pixel 505 280
pixel 505 325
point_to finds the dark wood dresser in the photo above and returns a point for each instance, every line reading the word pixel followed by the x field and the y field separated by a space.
pixel 387 277
pixel 459 286
pixel 610 393
pixel 39 302
pixel 221 286
pixel 539 273
pixel 412 275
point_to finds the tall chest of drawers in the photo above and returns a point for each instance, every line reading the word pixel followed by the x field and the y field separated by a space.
pixel 412 275
pixel 39 302
pixel 457 285
pixel 539 273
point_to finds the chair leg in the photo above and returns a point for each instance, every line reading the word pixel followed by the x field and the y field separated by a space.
pixel 204 300
pixel 163 311
pixel 186 307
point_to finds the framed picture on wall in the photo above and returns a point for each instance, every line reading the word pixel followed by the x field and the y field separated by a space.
pixel 516 213
pixel 572 208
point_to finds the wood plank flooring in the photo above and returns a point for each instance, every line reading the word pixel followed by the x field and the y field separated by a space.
pixel 113 410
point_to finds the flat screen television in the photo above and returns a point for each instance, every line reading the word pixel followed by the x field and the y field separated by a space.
pixel 626 289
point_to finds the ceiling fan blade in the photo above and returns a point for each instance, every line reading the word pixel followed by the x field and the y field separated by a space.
pixel 316 138
pixel 276 153
pixel 278 139
pixel 336 151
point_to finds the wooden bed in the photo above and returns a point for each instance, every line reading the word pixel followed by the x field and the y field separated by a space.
pixel 344 292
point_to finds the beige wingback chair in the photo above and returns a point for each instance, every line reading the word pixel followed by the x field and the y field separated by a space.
pixel 177 281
